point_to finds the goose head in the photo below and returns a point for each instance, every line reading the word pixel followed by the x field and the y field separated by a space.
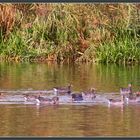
pixel 69 86
pixel 93 90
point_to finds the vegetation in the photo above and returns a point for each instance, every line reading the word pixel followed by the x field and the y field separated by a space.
pixel 107 33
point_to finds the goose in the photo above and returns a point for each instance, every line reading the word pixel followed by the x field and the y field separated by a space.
pixel 42 100
pixel 28 97
pixel 55 100
pixel 116 102
pixel 132 99
pixel 90 94
pixel 62 89
pixel 77 97
pixel 125 91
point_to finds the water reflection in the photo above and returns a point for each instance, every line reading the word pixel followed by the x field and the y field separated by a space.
pixel 67 120
pixel 82 76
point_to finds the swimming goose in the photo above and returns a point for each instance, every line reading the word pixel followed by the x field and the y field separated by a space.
pixel 130 100
pixel 89 94
pixel 116 102
pixel 135 99
pixel 42 100
pixel 62 89
pixel 77 97
pixel 124 91
pixel 55 100
pixel 28 97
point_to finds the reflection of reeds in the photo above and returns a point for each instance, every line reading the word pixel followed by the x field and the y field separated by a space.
pixel 64 32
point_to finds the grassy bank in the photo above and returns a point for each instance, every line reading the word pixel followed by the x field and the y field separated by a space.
pixel 107 33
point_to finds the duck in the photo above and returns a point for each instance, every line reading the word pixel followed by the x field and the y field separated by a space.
pixel 62 89
pixel 116 102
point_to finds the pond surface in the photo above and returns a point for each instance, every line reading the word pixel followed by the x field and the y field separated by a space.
pixel 68 120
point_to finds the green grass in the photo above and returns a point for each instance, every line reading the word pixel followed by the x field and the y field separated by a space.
pixel 73 32
pixel 124 49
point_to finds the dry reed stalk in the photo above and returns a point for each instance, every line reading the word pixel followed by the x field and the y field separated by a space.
pixel 7 18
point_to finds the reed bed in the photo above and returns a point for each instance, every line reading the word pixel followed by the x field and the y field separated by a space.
pixel 106 33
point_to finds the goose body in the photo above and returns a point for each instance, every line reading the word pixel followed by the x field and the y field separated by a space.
pixel 26 97
pixel 110 102
pixel 89 94
pixel 116 102
pixel 58 90
pixel 29 98
pixel 77 97
pixel 132 100
pixel 42 100
pixel 55 100
pixel 124 91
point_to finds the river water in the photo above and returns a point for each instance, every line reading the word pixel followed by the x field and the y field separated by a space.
pixel 68 120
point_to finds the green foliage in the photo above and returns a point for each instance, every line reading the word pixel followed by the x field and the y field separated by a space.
pixel 107 33
pixel 124 49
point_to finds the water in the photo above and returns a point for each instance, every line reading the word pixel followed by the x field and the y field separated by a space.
pixel 68 120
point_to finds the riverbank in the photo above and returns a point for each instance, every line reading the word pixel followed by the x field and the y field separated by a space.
pixel 106 33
